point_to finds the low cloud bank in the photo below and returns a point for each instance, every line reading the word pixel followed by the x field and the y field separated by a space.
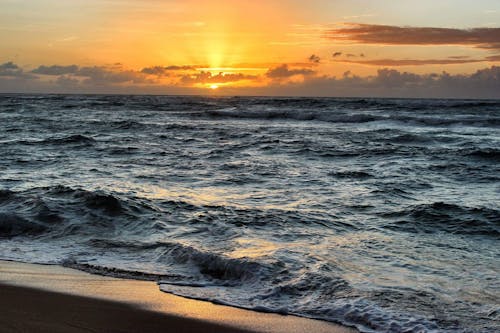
pixel 279 80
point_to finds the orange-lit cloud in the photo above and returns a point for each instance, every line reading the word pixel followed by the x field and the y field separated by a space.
pixel 315 59
pixel 97 75
pixel 56 70
pixel 413 62
pixel 493 58
pixel 485 38
pixel 284 71
pixel 484 83
pixel 165 71
pixel 207 77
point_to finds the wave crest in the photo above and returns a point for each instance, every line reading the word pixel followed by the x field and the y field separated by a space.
pixel 440 216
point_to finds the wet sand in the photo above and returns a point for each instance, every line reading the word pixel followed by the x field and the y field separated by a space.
pixel 43 298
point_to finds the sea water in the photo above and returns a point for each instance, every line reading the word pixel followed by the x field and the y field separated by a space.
pixel 381 214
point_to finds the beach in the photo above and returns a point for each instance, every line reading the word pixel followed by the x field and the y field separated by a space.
pixel 47 298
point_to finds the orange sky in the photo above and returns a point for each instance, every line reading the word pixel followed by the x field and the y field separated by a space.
pixel 246 44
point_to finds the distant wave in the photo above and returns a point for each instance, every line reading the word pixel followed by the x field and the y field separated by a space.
pixel 65 140
pixel 340 116
pixel 487 153
pixel 443 217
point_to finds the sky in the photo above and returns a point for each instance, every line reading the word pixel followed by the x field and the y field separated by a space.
pixel 386 48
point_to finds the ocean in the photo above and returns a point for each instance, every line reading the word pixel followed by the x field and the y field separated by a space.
pixel 382 214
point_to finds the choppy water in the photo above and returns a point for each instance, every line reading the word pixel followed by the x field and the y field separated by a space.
pixel 381 214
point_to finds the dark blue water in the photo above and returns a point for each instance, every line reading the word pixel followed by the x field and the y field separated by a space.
pixel 376 213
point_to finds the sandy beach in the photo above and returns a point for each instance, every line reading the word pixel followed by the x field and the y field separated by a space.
pixel 42 298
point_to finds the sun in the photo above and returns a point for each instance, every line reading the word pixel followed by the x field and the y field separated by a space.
pixel 214 86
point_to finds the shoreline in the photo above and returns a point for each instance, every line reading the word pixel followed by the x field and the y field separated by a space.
pixel 51 298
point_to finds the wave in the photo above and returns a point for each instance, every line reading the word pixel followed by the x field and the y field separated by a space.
pixel 25 216
pixel 216 266
pixel 486 153
pixel 293 114
pixel 111 271
pixel 126 125
pixel 59 210
pixel 78 139
pixel 351 116
pixel 340 302
pixel 351 174
pixel 250 285
pixel 12 225
pixel 410 138
pixel 203 265
pixel 443 217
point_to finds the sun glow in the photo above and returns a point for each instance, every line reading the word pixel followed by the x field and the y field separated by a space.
pixel 214 86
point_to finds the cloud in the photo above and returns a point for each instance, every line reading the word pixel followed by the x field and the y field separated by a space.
pixel 55 70
pixel 484 83
pixel 413 62
pixel 165 71
pixel 11 69
pixel 283 71
pixel 486 38
pixel 101 75
pixel 207 77
pixel 315 59
pixel 387 82
pixel 493 58
pixel 337 54
pixel 180 68
pixel 9 66
pixel 67 81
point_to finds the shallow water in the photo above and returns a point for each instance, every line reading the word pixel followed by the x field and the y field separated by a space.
pixel 376 213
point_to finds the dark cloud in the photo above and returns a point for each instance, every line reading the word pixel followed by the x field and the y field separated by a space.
pixel 55 70
pixel 315 59
pixel 180 68
pixel 10 69
pixel 392 78
pixel 484 83
pixel 156 70
pixel 67 81
pixel 487 38
pixel 337 54
pixel 493 58
pixel 165 71
pixel 207 77
pixel 9 66
pixel 98 75
pixel 387 82
pixel 283 71
pixel 101 75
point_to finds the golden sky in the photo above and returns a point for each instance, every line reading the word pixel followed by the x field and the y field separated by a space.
pixel 238 44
